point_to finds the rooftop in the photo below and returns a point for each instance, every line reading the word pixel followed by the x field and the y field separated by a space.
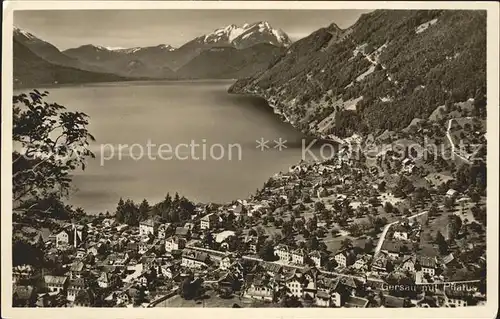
pixel 393 302
pixel 55 280
pixel 428 262
pixel 24 292
pixel 356 302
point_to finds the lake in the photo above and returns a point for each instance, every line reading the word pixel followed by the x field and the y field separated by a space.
pixel 225 166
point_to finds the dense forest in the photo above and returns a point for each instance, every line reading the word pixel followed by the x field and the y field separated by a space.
pixel 172 210
pixel 404 64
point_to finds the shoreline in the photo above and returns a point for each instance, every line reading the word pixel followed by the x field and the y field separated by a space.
pixel 272 104
pixel 115 83
pixel 281 115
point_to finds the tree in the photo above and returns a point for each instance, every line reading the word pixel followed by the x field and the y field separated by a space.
pixel 119 215
pixel 208 240
pixel 276 238
pixel 331 264
pixel 479 104
pixel 433 210
pixel 23 253
pixel 52 143
pixel 346 243
pixel 144 209
pixel 449 203
pixel 313 243
pixel 443 246
pixel 479 214
pixel 374 201
pixel 312 223
pixel 140 296
pixel 287 229
pixel 334 232
pixel 398 192
pixel 260 231
pixel 421 194
pixel 278 222
pixel 320 232
pixel 355 229
pixel 381 186
pixel 291 302
pixel 406 211
pixel 266 252
pixel 405 185
pixel 369 246
pixel 225 292
pixel 127 212
pixel 319 207
pixel 475 197
pixel 454 225
pixel 388 208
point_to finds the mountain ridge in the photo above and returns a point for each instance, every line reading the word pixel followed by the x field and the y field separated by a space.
pixel 229 62
pixel 164 55
pixel 195 59
pixel 31 70
pixel 380 73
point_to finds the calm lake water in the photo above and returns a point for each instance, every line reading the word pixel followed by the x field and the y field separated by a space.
pixel 175 113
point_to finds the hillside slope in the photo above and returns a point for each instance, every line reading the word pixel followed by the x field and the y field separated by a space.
pixel 43 49
pixel 230 63
pixel 390 67
pixel 31 70
pixel 128 62
pixel 231 36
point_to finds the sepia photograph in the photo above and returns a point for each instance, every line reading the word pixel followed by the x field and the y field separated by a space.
pixel 248 157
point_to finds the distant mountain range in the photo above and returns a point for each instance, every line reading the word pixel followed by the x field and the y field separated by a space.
pixel 32 70
pixel 228 62
pixel 229 52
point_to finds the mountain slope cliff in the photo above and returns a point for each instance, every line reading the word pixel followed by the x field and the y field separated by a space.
pixel 390 67
pixel 230 63
pixel 31 70
pixel 149 62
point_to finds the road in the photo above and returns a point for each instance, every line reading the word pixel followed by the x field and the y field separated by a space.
pixel 382 238
pixel 161 299
pixel 362 278
pixel 453 148
pixel 386 229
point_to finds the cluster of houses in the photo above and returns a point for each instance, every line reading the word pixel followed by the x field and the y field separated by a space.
pixel 113 264
pixel 308 284
pixel 298 256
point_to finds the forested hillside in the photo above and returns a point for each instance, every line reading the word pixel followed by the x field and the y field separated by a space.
pixel 390 67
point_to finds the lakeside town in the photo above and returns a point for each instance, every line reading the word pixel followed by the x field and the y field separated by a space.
pixel 374 228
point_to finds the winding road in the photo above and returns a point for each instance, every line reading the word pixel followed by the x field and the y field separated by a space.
pixel 386 229
pixel 453 148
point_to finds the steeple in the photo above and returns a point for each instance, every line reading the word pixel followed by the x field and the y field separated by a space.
pixel 75 235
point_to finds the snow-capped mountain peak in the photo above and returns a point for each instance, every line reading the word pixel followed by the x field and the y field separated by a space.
pixel 163 47
pixel 25 34
pixel 114 48
pixel 166 47
pixel 100 47
pixel 246 35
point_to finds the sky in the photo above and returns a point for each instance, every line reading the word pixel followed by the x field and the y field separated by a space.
pixel 131 28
